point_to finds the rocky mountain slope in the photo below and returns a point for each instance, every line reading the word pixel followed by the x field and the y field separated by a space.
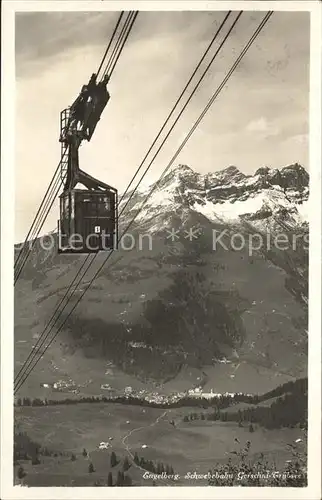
pixel 228 196
pixel 208 287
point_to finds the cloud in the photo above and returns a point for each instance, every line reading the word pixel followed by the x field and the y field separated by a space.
pixel 299 140
pixel 262 126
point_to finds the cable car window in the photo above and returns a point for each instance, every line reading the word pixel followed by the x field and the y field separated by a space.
pixel 66 207
pixel 90 208
pixel 104 207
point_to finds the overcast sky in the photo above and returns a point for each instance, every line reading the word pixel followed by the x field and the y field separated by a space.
pixel 260 118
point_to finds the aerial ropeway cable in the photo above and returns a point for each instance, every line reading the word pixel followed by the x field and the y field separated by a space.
pixel 110 43
pixel 109 70
pixel 113 58
pixel 37 224
pixel 53 184
pixel 41 339
pixel 34 362
pixel 56 182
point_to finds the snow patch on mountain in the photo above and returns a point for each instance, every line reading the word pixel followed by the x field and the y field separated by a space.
pixel 230 210
pixel 303 210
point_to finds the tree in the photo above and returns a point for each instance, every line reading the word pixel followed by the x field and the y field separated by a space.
pixel 91 468
pixel 113 459
pixel 136 458
pixel 110 479
pixel 148 465
pixel 127 480
pixel 120 478
pixel 21 473
pixel 126 464
pixel 193 311
pixel 35 460
pixel 261 471
pixel 223 417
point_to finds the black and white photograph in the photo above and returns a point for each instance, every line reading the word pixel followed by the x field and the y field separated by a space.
pixel 161 249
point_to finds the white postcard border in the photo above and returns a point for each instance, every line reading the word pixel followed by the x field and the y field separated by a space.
pixel 8 491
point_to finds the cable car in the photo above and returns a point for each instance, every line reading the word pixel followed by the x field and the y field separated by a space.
pixel 88 217
pixel 88 220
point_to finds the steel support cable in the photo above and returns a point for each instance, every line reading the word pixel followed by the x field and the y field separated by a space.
pixel 40 218
pixel 40 341
pixel 45 210
pixel 39 222
pixel 70 286
pixel 164 140
pixel 175 106
pixel 33 233
pixel 110 43
pixel 190 133
pixel 244 51
pixel 118 43
pixel 202 115
pixel 38 212
pixel 125 29
pixel 123 43
pixel 186 104
pixel 44 203
pixel 200 62
pixel 176 103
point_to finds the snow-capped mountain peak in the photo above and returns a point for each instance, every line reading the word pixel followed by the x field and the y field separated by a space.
pixel 227 196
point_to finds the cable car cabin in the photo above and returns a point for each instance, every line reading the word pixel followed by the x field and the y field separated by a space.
pixel 88 221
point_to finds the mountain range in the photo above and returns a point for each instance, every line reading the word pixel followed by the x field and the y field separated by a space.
pixel 208 288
